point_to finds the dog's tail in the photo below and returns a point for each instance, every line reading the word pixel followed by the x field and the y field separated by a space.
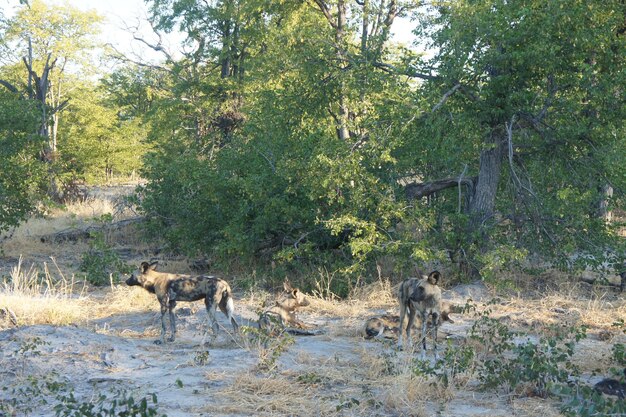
pixel 228 307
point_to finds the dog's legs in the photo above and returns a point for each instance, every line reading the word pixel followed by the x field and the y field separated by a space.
pixel 435 329
pixel 163 328
pixel 409 327
pixel 402 314
pixel 172 321
pixel 210 309
pixel 424 326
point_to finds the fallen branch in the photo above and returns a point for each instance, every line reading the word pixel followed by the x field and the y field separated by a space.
pixel 73 235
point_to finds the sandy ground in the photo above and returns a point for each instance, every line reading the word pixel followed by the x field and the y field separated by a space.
pixel 103 344
pixel 334 373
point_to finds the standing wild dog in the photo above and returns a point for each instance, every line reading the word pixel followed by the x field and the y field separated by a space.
pixel 284 309
pixel 421 295
pixel 170 288
pixel 388 325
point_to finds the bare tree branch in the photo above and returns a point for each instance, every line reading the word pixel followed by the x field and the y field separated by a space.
pixel 121 56
pixel 9 86
pixel 326 11
pixel 418 190
pixel 445 97
pixel 413 74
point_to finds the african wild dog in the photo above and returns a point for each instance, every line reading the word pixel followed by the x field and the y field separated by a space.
pixel 388 325
pixel 170 288
pixel 612 386
pixel 421 295
pixel 284 309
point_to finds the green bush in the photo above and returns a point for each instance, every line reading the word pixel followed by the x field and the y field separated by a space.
pixel 101 261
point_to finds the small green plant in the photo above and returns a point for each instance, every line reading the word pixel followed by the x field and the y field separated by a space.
pixel 122 404
pixel 29 348
pixel 22 398
pixel 50 392
pixel 100 261
pixel 541 363
pixel 579 400
pixel 201 357
pixel 456 360
pixel 311 378
pixel 271 343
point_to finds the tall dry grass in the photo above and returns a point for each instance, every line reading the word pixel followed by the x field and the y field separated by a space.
pixel 45 295
pixel 41 295
pixel 39 280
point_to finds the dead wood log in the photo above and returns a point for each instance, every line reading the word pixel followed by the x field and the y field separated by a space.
pixel 74 235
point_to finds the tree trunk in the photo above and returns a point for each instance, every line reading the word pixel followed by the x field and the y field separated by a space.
pixel 483 203
pixel 342 118
pixel 603 206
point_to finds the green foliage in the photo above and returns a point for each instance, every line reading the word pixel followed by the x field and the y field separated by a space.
pixel 52 393
pixel 271 343
pixel 58 396
pixel 21 176
pixel 456 360
pixel 122 404
pixel 96 144
pixel 277 136
pixel 101 261
pixel 277 183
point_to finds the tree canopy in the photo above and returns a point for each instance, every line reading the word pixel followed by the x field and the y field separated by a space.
pixel 301 134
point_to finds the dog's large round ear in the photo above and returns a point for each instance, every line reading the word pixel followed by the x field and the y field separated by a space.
pixel 434 277
pixel 145 267
pixel 294 293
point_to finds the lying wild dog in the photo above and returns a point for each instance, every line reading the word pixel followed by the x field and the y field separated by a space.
pixel 611 386
pixel 385 326
pixel 283 311
pixel 170 288
pixel 421 295
pixel 388 325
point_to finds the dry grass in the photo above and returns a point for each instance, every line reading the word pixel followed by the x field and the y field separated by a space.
pixel 376 295
pixel 45 295
pixel 25 239
pixel 264 395
pixel 598 311
pixel 39 297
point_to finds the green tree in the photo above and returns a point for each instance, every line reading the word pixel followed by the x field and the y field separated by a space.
pixel 53 42
pixel 21 174
pixel 298 131
pixel 530 103
pixel 286 180
pixel 97 141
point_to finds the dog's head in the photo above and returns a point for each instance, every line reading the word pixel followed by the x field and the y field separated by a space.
pixel 426 288
pixel 298 297
pixel 135 278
